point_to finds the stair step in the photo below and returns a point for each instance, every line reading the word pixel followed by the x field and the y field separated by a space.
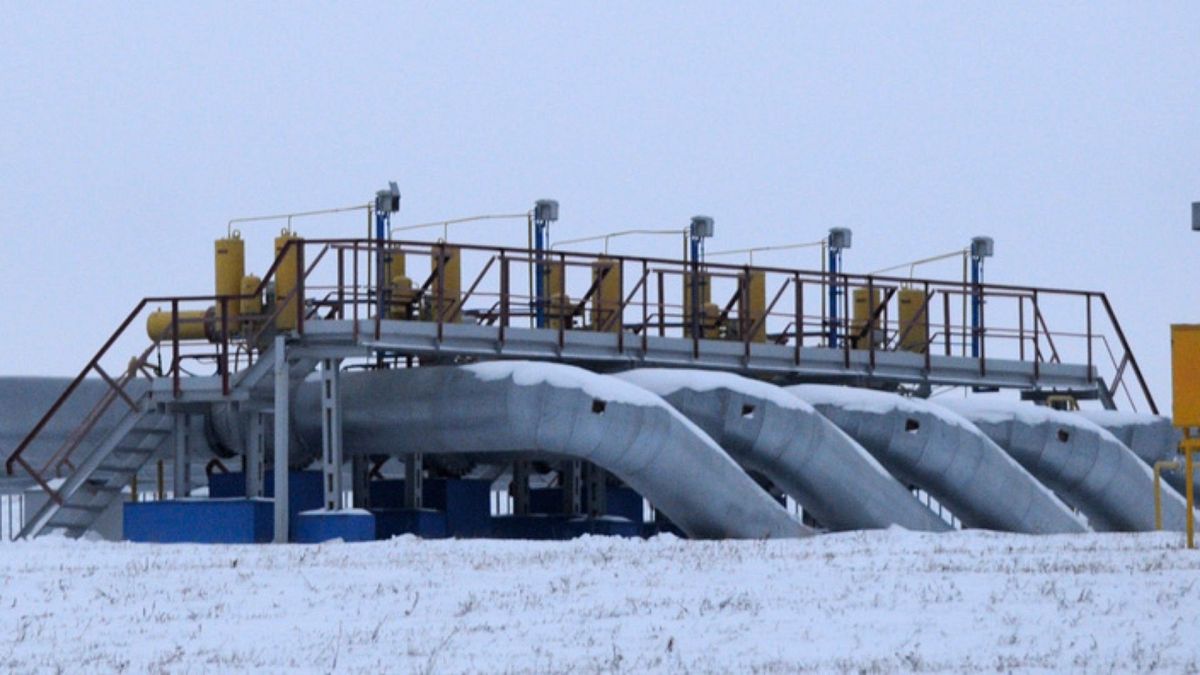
pixel 116 468
pixel 151 432
pixel 133 450
pixel 92 508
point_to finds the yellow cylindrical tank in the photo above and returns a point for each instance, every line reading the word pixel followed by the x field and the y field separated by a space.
pixel 862 313
pixel 287 276
pixel 606 301
pixel 193 325
pixel 914 321
pixel 230 261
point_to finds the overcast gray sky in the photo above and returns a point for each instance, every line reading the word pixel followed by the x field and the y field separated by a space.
pixel 129 134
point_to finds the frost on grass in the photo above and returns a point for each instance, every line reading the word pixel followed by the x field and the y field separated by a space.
pixel 875 602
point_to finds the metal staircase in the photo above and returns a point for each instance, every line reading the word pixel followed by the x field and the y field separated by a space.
pixel 103 474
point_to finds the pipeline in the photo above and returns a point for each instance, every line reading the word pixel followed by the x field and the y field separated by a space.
pixel 945 455
pixel 559 411
pixel 1087 466
pixel 768 430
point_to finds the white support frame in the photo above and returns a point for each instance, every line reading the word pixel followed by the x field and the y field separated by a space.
pixel 282 435
pixel 331 432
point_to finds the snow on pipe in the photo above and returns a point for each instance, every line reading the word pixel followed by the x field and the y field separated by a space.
pixel 1086 465
pixel 769 430
pixel 945 455
pixel 513 406
pixel 1150 437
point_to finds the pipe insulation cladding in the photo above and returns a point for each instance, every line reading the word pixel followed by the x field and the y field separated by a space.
pixel 506 407
pixel 1087 466
pixel 771 431
pixel 945 455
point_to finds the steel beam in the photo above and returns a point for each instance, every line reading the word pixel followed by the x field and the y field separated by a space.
pixel 282 435
pixel 331 433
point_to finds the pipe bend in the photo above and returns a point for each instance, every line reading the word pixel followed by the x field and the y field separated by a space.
pixel 771 431
pixel 515 406
pixel 946 455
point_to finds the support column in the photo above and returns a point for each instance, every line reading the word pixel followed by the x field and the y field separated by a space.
pixel 282 434
pixel 181 470
pixel 571 479
pixel 254 446
pixel 520 488
pixel 331 432
pixel 597 495
pixel 414 481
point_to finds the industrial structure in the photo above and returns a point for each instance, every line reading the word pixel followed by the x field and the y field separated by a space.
pixel 449 389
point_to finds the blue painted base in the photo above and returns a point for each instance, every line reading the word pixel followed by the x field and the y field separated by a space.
pixel 202 521
pixel 557 527
pixel 316 527
pixel 305 492
pixel 622 501
pixel 465 503
pixel 425 523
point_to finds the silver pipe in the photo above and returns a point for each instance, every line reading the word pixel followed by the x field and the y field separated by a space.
pixel 507 406
pixel 769 430
pixel 945 455
pixel 1150 437
pixel 1087 466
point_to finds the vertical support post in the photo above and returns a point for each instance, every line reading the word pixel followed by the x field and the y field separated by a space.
pixel 181 469
pixel 571 478
pixel 1189 448
pixel 414 481
pixel 331 432
pixel 835 259
pixel 255 446
pixel 597 496
pixel 282 435
pixel 981 247
pixel 520 487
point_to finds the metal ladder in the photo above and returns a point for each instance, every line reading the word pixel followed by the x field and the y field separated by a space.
pixel 101 478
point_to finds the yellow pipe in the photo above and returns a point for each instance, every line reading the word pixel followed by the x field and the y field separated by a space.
pixel 1189 448
pixel 1158 469
pixel 193 325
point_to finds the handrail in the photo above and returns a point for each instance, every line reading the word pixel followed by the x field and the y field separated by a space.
pixel 500 311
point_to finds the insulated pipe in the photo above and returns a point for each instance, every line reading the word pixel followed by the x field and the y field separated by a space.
pixel 768 430
pixel 945 455
pixel 1151 437
pixel 1087 466
pixel 515 406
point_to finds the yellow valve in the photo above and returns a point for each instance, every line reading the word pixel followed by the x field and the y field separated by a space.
pixel 606 301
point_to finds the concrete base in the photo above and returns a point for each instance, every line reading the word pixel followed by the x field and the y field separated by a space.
pixel 314 527
pixel 200 521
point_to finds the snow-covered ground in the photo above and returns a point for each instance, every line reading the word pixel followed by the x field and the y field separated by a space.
pixel 875 602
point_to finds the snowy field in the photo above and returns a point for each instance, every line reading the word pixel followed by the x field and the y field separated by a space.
pixel 874 602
